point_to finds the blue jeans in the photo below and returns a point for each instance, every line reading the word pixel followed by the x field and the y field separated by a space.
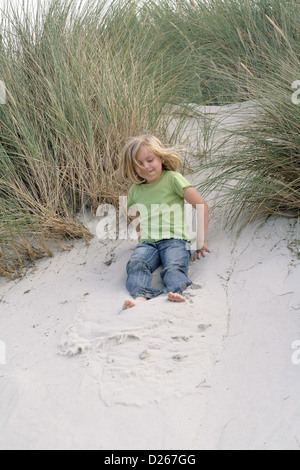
pixel 174 255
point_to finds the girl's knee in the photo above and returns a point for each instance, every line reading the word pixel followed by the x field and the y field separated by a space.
pixel 136 264
pixel 174 269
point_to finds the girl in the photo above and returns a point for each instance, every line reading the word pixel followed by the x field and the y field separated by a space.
pixel 157 199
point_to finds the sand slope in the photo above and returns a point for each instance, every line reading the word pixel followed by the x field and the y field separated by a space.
pixel 218 372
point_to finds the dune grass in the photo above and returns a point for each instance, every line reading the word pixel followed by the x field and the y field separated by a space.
pixel 82 77
pixel 78 85
pixel 262 175
pixel 243 50
pixel 224 36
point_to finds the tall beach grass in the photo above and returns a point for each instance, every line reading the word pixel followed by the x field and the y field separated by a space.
pixel 243 50
pixel 81 77
pixel 78 84
pixel 262 175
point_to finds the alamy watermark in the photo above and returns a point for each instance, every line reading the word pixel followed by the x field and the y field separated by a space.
pixel 2 353
pixel 2 92
pixel 296 354
pixel 296 94
pixel 114 225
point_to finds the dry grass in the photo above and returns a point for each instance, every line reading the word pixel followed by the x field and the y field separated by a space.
pixel 77 88
pixel 80 81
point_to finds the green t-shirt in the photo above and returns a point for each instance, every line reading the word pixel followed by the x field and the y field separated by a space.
pixel 161 207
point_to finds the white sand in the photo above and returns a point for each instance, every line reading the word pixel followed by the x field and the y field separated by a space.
pixel 216 372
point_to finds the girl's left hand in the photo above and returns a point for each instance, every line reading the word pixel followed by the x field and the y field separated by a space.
pixel 201 253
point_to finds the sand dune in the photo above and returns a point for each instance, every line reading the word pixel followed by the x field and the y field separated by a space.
pixel 218 372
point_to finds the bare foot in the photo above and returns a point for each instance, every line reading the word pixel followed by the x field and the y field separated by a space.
pixel 176 297
pixel 131 303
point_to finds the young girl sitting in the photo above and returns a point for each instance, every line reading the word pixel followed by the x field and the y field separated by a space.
pixel 157 200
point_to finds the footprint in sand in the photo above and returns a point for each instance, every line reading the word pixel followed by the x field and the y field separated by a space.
pixel 203 327
pixel 179 357
pixel 181 338
pixel 144 355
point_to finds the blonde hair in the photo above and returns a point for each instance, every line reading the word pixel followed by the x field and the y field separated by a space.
pixel 172 161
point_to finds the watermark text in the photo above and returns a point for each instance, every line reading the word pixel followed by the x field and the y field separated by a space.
pixel 296 94
pixel 2 92
pixel 2 353
pixel 296 354
pixel 156 222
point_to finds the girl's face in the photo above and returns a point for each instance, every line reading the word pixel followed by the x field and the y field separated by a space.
pixel 151 163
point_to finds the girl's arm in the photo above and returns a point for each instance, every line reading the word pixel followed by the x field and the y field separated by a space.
pixel 136 224
pixel 192 196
